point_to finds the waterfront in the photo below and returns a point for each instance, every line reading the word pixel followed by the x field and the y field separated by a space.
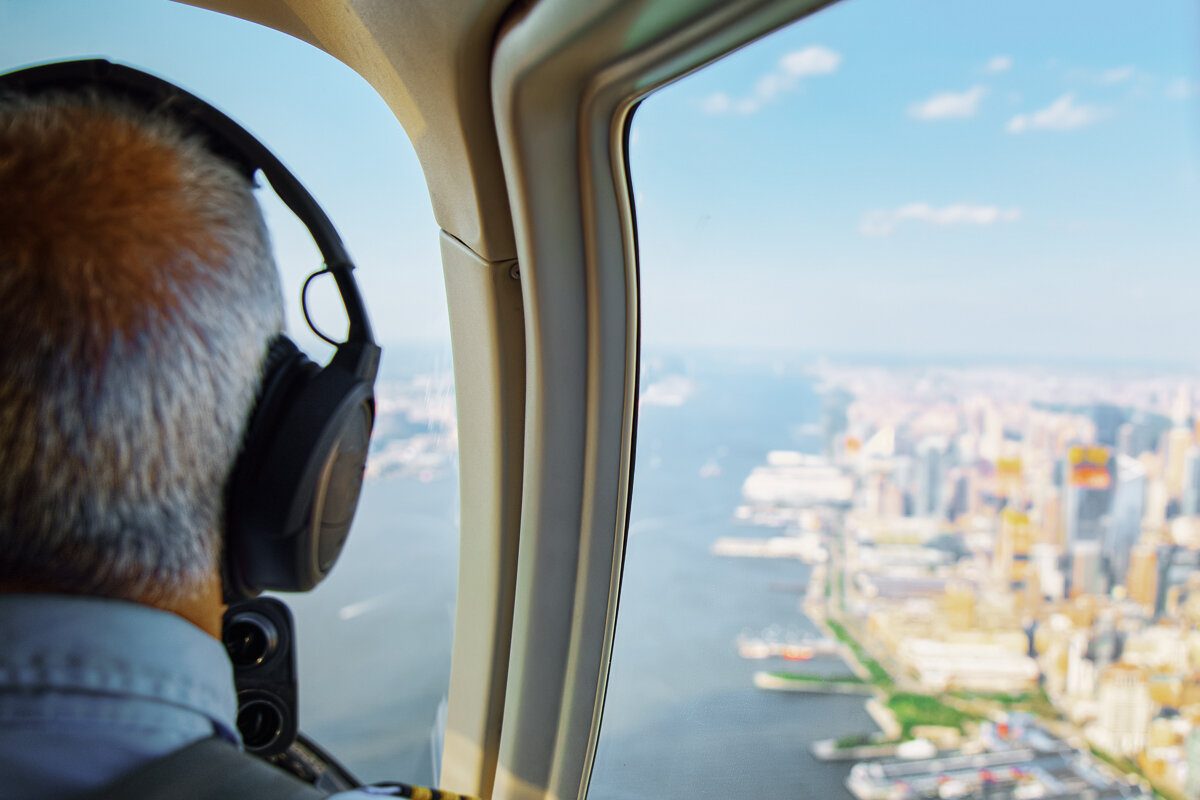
pixel 721 452
pixel 682 715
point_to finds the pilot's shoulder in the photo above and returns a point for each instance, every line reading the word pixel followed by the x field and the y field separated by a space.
pixel 389 789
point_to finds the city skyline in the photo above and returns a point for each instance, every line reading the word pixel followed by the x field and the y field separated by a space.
pixel 1007 563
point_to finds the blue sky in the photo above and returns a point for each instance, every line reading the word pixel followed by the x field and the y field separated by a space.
pixel 1074 231
pixel 950 177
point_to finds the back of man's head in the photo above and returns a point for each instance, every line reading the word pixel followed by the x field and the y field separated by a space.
pixel 138 296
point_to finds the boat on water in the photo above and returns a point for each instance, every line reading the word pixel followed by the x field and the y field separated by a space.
pixel 797 652
pixel 763 647
pixel 755 649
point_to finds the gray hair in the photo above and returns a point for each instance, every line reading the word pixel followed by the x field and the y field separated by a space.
pixel 138 295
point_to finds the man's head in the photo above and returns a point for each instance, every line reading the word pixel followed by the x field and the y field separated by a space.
pixel 138 296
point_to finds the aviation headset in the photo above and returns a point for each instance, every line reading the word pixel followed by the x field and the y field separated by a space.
pixel 294 489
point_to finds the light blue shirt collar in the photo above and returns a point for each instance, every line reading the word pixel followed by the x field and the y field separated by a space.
pixel 92 687
pixel 99 646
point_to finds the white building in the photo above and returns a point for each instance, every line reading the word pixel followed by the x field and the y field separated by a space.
pixel 1125 710
pixel 973 664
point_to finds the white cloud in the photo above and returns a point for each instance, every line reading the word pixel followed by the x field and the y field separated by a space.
pixel 1116 75
pixel 1182 89
pixel 949 105
pixel 885 222
pixel 814 60
pixel 1063 114
pixel 785 77
pixel 717 103
pixel 999 64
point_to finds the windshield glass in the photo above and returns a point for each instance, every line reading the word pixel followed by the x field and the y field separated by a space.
pixel 368 694
pixel 916 502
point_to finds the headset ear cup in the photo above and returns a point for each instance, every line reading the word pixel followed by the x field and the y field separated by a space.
pixel 285 372
pixel 340 484
pixel 281 352
pixel 296 486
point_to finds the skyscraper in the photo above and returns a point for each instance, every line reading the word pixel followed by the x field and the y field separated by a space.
pixel 1142 578
pixel 1179 442
pixel 932 458
pixel 1125 515
pixel 1012 550
pixel 1044 561
pixel 1089 492
pixel 1190 499
pixel 958 606
pixel 1108 420
pixel 1141 433
pixel 1050 517
pixel 1175 566
pixel 1087 569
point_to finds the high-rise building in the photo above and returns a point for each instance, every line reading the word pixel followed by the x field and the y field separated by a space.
pixel 1009 477
pixel 1125 709
pixel 959 490
pixel 1108 420
pixel 1080 680
pixel 1106 643
pixel 932 462
pixel 1155 517
pixel 1179 442
pixel 1089 492
pixel 1012 549
pixel 1043 559
pixel 1142 578
pixel 1125 515
pixel 1189 504
pixel 1176 565
pixel 1049 514
pixel 1127 439
pixel 958 606
pixel 1141 433
pixel 1087 569
pixel 1181 408
pixel 991 439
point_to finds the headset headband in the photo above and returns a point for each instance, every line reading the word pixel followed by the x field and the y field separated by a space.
pixel 294 488
pixel 222 136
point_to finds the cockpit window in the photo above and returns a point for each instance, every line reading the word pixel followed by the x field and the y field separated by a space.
pixel 374 639
pixel 916 509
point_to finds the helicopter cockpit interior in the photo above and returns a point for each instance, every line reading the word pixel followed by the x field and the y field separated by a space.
pixel 775 394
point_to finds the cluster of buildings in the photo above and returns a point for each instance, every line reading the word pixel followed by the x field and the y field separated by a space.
pixel 1026 538
pixel 416 428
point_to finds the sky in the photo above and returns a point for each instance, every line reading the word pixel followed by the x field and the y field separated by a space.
pixel 943 177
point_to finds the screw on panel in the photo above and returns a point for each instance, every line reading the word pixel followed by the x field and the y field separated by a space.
pixel 514 272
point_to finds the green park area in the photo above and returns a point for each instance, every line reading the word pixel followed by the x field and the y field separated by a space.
pixel 879 675
pixel 856 740
pixel 913 710
pixel 820 679
pixel 1034 702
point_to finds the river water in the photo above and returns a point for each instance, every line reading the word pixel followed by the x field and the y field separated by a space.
pixel 682 716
